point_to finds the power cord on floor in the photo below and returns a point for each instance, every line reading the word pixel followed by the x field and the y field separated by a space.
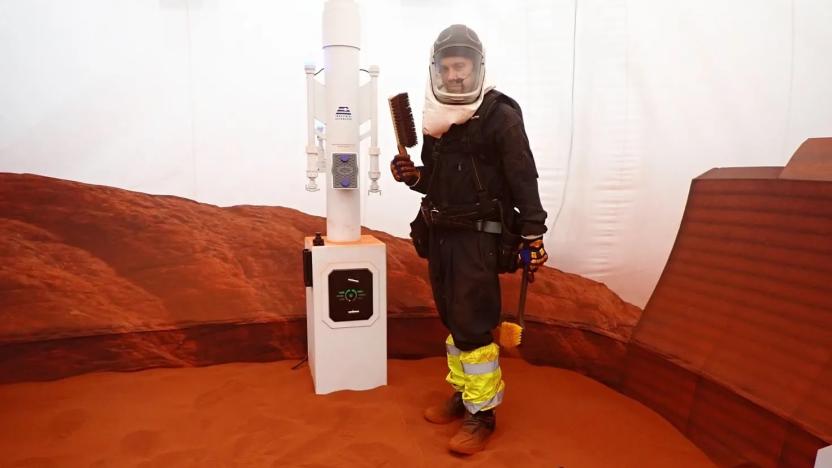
pixel 297 366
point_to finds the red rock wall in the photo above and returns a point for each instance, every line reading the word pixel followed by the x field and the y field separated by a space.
pixel 732 430
pixel 99 278
pixel 735 344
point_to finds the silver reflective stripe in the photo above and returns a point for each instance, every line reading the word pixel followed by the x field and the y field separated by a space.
pixel 491 403
pixel 481 367
pixel 452 350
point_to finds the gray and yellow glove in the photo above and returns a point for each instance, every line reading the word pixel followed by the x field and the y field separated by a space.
pixel 533 254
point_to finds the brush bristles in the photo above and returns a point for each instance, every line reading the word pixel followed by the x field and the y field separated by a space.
pixel 403 120
pixel 510 335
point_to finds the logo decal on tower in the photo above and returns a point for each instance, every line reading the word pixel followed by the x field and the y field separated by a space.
pixel 343 113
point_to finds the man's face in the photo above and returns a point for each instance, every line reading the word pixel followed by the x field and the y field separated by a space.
pixel 457 74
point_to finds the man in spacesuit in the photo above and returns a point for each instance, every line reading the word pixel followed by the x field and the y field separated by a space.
pixel 480 185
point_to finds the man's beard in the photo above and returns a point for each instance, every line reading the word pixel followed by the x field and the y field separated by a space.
pixel 457 87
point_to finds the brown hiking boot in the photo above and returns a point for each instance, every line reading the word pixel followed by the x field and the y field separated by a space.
pixel 474 433
pixel 447 411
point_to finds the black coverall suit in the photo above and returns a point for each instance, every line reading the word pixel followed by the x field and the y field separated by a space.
pixel 463 262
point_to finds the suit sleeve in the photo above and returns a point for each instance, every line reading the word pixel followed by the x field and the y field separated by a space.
pixel 521 173
pixel 426 169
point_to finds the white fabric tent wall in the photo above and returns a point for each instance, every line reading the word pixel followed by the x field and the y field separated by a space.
pixel 206 99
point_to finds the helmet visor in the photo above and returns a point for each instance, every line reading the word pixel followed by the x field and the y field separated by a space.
pixel 456 75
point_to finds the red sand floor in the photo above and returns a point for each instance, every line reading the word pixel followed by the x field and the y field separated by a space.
pixel 253 415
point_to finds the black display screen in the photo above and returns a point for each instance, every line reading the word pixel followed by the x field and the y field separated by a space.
pixel 350 295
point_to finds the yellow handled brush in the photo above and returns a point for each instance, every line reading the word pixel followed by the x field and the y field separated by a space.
pixel 511 334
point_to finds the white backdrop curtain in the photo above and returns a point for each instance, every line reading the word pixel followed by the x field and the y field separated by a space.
pixel 625 102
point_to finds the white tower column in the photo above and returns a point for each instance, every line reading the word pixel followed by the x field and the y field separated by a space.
pixel 341 39
pixel 345 273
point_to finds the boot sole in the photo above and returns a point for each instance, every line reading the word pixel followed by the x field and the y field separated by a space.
pixel 469 450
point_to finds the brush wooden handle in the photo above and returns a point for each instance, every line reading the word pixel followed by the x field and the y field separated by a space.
pixel 403 151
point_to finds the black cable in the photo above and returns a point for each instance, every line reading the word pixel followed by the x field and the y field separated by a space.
pixel 296 366
pixel 571 118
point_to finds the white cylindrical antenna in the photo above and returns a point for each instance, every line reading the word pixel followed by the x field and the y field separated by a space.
pixel 311 147
pixel 341 36
pixel 374 172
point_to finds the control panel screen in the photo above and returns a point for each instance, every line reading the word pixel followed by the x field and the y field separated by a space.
pixel 350 295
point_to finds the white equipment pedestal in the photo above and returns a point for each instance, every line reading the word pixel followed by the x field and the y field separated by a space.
pixel 824 459
pixel 346 314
